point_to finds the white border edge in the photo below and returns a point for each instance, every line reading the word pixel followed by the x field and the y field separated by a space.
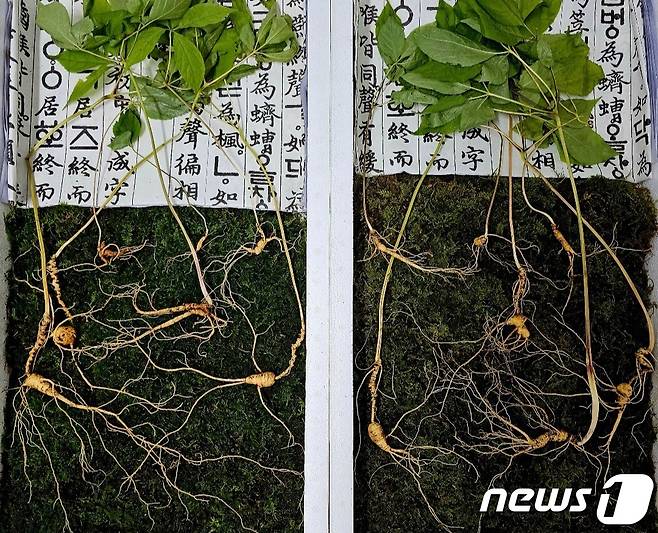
pixel 328 490
pixel 316 427
pixel 341 403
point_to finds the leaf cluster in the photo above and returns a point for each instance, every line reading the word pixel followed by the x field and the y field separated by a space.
pixel 480 58
pixel 194 47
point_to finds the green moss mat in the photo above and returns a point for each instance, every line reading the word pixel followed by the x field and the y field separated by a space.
pixel 229 421
pixel 449 214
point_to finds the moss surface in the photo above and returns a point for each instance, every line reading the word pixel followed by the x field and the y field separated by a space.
pixel 229 421
pixel 449 214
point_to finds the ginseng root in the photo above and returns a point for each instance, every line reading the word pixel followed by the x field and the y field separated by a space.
pixel 262 380
pixel 378 437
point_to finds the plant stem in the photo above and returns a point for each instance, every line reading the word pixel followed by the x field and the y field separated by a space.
pixel 165 192
pixel 589 359
pixel 373 383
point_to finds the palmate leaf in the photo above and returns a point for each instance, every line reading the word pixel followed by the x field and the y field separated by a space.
pixel 189 41
pixel 465 73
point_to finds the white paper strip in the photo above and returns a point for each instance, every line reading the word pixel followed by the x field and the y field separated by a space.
pixel 614 31
pixel 201 168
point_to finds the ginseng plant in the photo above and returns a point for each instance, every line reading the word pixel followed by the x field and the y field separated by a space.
pixel 491 64
pixel 190 48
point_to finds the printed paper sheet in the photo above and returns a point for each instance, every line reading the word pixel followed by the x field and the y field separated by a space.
pixel 204 168
pixel 615 33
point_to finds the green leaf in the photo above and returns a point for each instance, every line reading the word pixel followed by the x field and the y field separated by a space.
pixel 543 16
pixel 131 6
pixel 585 146
pixel 243 24
pixel 227 47
pixel 79 61
pixel 410 97
pixel 425 78
pixel 84 86
pixel 476 112
pixel 442 122
pixel 239 72
pixel 281 54
pixel 82 29
pixel 390 35
pixel 503 91
pixel 554 49
pixel 507 12
pixel 471 13
pixel 168 9
pixel 280 31
pixel 241 14
pixel 528 6
pixel 276 38
pixel 247 38
pixel 159 104
pixel 579 80
pixel 444 116
pixel 202 15
pixel 448 47
pixel 446 72
pixel 575 112
pixel 126 129
pixel 567 56
pixel 536 83
pixel 446 103
pixel 54 19
pixel 441 77
pixel 112 23
pixel 531 128
pixel 411 58
pixel 189 61
pixel 141 45
pixel 94 42
pixel 495 70
pixel 445 16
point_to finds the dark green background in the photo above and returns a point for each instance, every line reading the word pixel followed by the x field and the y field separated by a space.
pixel 229 421
pixel 448 215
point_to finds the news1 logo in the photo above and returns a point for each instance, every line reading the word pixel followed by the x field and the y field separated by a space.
pixel 631 505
